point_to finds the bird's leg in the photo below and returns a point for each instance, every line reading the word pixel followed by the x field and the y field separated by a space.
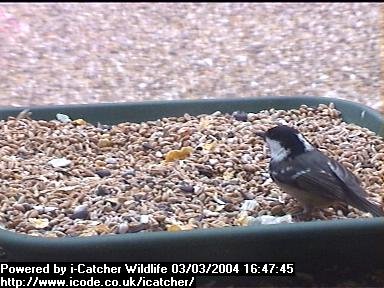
pixel 294 210
pixel 305 215
pixel 302 217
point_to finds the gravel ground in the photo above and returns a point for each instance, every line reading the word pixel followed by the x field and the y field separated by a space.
pixel 84 53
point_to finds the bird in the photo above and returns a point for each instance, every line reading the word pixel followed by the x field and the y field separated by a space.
pixel 314 179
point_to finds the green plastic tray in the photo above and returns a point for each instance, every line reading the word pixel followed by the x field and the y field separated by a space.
pixel 357 243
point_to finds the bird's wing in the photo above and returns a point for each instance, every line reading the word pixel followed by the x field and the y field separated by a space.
pixel 347 178
pixel 355 193
pixel 313 173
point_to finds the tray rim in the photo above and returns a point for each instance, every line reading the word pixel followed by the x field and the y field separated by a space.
pixel 313 99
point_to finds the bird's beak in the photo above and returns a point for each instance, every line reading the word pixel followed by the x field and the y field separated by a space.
pixel 260 134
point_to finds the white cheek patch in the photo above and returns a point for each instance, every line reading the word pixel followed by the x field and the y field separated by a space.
pixel 307 145
pixel 278 152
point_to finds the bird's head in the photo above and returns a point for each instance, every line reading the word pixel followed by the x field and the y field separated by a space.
pixel 285 142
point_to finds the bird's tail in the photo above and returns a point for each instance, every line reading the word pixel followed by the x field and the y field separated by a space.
pixel 365 205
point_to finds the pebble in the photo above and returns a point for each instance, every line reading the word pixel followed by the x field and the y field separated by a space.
pixel 48 209
pixel 60 162
pixel 103 173
pixel 209 213
pixel 274 194
pixel 39 208
pixel 240 116
pixel 277 210
pixel 229 207
pixel 136 227
pixel 33 213
pixel 268 219
pixel 123 228
pixel 158 154
pixel 216 113
pixel 129 172
pixel 103 127
pixel 63 118
pixel 147 146
pixel 249 205
pixel 19 207
pixel 111 161
pixel 205 171
pixel 102 191
pixel 187 188
pixel 249 168
pixel 228 164
pixel 80 212
pixel 104 143
pixel 100 163
pixel 144 219
pixel 246 158
pixel 213 161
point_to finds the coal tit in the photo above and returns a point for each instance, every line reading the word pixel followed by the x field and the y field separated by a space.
pixel 311 177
